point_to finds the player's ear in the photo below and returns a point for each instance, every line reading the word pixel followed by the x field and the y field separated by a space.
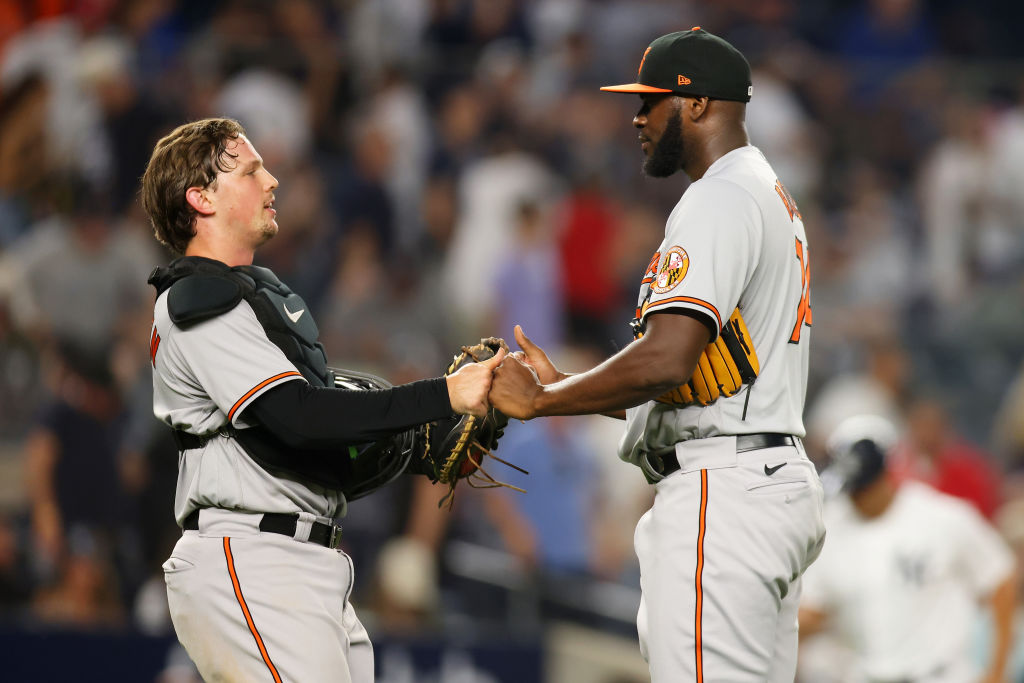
pixel 197 198
pixel 694 107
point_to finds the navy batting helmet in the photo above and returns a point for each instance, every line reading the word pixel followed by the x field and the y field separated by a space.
pixel 857 452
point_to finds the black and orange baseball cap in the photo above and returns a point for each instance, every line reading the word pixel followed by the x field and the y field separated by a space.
pixel 692 62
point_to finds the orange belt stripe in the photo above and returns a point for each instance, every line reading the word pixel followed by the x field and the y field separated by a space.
pixel 245 611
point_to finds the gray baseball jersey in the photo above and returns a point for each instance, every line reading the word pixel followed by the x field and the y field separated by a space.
pixel 204 377
pixel 735 239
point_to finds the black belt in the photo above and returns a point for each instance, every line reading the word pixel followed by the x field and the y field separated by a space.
pixel 666 463
pixel 327 535
pixel 188 441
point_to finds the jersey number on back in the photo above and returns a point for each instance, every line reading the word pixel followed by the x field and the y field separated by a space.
pixel 803 309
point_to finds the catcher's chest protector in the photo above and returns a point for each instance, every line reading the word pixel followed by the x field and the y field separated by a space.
pixel 202 288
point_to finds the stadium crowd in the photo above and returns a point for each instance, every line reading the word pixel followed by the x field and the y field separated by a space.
pixel 448 169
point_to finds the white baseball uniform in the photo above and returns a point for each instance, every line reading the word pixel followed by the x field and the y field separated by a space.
pixel 247 605
pixel 902 590
pixel 722 549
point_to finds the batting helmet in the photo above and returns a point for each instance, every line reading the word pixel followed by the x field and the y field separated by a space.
pixel 857 452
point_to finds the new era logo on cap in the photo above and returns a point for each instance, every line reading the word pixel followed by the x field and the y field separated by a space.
pixel 692 62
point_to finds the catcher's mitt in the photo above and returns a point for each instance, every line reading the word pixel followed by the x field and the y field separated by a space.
pixel 454 448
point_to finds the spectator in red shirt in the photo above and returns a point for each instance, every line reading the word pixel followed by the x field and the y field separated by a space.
pixel 933 452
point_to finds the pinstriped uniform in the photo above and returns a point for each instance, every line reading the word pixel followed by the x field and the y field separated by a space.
pixel 723 547
pixel 247 605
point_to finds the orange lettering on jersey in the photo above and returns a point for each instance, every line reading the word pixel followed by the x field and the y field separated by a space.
pixel 642 60
pixel 652 268
pixel 787 199
pixel 803 309
pixel 154 344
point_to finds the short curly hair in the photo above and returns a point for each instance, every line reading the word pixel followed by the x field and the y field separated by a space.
pixel 189 156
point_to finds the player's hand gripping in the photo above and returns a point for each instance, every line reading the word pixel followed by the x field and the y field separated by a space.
pixel 469 385
pixel 515 388
pixel 535 357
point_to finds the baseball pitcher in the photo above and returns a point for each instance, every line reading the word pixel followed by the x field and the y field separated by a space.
pixel 712 388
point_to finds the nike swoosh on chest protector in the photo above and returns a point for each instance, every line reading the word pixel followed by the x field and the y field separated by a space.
pixel 294 317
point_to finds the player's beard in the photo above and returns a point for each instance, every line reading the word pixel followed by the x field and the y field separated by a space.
pixel 667 156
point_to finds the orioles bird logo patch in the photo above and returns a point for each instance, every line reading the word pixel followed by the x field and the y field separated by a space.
pixel 674 265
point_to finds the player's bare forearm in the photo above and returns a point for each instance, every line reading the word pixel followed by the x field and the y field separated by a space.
pixel 546 372
pixel 663 359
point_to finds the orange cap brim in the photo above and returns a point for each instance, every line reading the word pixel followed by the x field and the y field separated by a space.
pixel 633 87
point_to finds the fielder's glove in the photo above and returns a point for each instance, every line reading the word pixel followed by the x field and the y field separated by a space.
pixel 454 448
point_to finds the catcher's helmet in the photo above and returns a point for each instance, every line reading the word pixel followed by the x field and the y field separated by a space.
pixel 857 452
pixel 380 462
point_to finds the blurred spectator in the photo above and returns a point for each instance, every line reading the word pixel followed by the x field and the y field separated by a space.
pixel 131 121
pixel 78 277
pixel 528 282
pixel 85 592
pixel 357 190
pixel 72 467
pixel 956 186
pixel 780 127
pixel 376 317
pixel 21 386
pixel 877 277
pixel 934 452
pixel 73 120
pixel 274 110
pixel 1008 431
pixel 491 191
pixel 23 155
pixel 589 222
pixel 558 511
pixel 14 575
pixel 879 387
pixel 882 39
pixel 397 107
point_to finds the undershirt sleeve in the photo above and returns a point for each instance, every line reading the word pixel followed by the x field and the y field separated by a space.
pixel 304 416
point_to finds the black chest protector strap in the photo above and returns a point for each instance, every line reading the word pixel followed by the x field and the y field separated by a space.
pixel 200 289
